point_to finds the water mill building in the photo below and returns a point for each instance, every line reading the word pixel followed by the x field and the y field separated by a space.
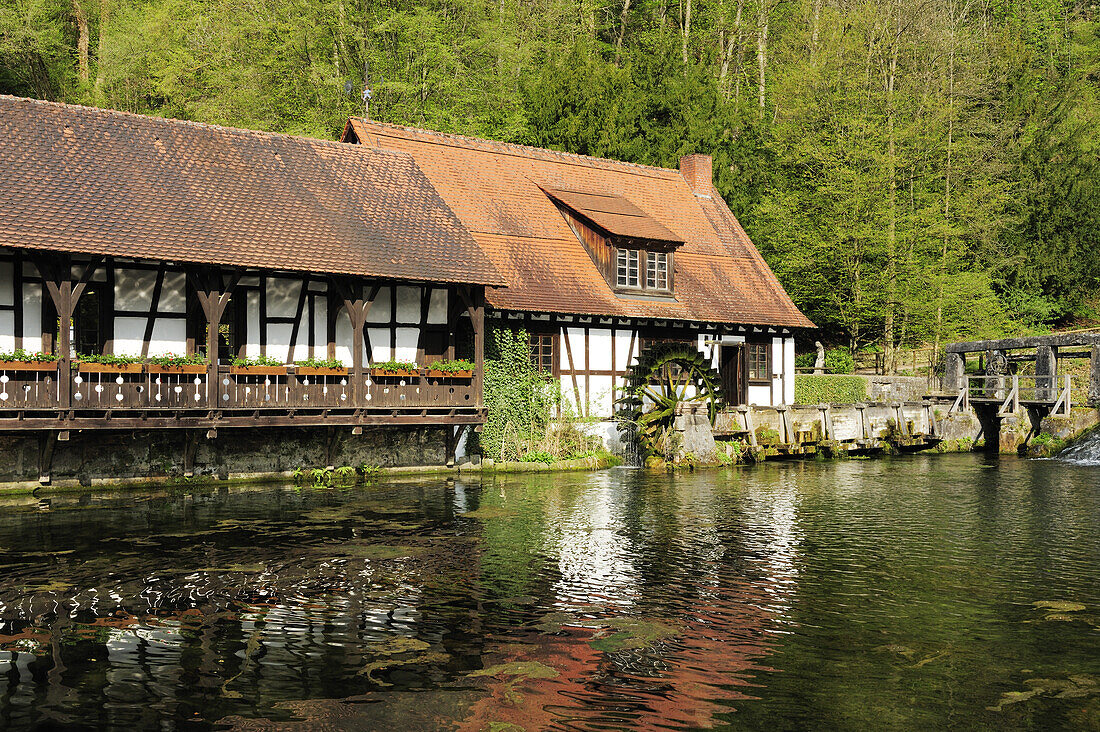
pixel 312 270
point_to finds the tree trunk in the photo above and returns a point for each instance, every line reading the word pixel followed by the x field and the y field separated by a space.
pixel 81 41
pixel 889 353
pixel 622 31
pixel 686 32
pixel 946 188
pixel 761 54
pixel 814 25
pixel 104 19
pixel 726 46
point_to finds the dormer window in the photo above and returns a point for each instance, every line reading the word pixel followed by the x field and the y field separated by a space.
pixel 656 271
pixel 632 249
pixel 627 275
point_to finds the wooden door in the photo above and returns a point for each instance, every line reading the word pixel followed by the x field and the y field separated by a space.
pixel 731 368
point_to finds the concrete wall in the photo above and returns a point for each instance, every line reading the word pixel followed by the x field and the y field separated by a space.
pixel 102 456
pixel 896 388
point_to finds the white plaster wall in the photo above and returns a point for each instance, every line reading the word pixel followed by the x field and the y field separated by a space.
pixel 575 337
pixel 7 297
pixel 129 336
pixel 437 307
pixel 320 328
pixel 777 371
pixel 380 344
pixel 407 339
pixel 7 330
pixel 252 325
pixel 344 339
pixel 169 336
pixel 599 396
pixel 32 317
pixel 760 395
pixel 408 304
pixel 788 370
pixel 278 340
pixel 599 350
pixel 380 309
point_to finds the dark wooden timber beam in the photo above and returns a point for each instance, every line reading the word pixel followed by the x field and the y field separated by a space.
pixel 475 306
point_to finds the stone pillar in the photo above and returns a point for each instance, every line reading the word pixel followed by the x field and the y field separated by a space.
pixel 953 372
pixel 1094 377
pixel 1046 365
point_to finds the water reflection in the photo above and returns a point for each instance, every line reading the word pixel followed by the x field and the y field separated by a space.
pixel 892 594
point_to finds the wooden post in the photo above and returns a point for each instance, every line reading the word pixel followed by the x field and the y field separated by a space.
pixel 1094 376
pixel 58 276
pixel 214 295
pixel 475 307
pixel 351 293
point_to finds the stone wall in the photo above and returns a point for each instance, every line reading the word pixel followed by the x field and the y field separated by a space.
pixel 896 388
pixel 109 456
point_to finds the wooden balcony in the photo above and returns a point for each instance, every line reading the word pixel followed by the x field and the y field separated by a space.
pixel 153 397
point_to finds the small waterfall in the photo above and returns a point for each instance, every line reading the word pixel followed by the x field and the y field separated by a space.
pixel 1086 451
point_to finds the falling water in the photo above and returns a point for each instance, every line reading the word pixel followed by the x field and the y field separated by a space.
pixel 1086 451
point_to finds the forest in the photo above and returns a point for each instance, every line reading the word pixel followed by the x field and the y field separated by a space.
pixel 915 171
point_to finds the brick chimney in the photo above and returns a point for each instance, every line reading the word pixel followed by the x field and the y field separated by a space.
pixel 698 171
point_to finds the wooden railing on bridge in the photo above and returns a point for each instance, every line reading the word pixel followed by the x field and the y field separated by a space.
pixel 1009 392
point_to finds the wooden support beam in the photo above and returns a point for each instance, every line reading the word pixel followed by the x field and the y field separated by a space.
pixel 1094 376
pixel 46 444
pixel 474 299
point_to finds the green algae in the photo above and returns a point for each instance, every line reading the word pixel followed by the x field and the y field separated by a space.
pixel 490 512
pixel 1076 686
pixel 632 634
pixel 520 669
pixel 1062 606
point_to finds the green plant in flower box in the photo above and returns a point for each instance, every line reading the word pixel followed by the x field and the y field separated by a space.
pixel 394 367
pixel 317 363
pixel 171 360
pixel 108 359
pixel 256 361
pixel 451 366
pixel 22 356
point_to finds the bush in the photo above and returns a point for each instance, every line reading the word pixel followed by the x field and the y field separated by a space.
pixel 839 361
pixel 829 389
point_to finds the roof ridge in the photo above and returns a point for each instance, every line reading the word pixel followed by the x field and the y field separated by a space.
pixel 334 144
pixel 515 148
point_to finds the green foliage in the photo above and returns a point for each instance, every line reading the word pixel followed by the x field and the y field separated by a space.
pixel 839 361
pixel 256 361
pixel 321 363
pixel 108 359
pixel 518 398
pixel 171 359
pixel 27 356
pixel 451 366
pixel 829 389
pixel 394 367
pixel 934 181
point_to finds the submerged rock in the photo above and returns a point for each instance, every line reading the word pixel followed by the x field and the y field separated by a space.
pixel 1063 606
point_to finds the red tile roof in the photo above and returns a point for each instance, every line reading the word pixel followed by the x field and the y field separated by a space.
pixel 83 180
pixel 614 214
pixel 499 191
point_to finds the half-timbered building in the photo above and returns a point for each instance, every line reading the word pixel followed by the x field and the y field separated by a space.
pixel 125 239
pixel 602 257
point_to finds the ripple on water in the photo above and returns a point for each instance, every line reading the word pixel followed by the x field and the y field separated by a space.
pixel 896 593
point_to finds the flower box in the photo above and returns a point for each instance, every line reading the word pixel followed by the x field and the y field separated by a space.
pixel 184 368
pixel 320 371
pixel 435 374
pixel 258 370
pixel 404 374
pixel 110 368
pixel 28 365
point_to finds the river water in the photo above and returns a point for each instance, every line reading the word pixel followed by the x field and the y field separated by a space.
pixel 900 593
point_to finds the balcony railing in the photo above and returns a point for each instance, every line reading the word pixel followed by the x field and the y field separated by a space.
pixel 148 388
